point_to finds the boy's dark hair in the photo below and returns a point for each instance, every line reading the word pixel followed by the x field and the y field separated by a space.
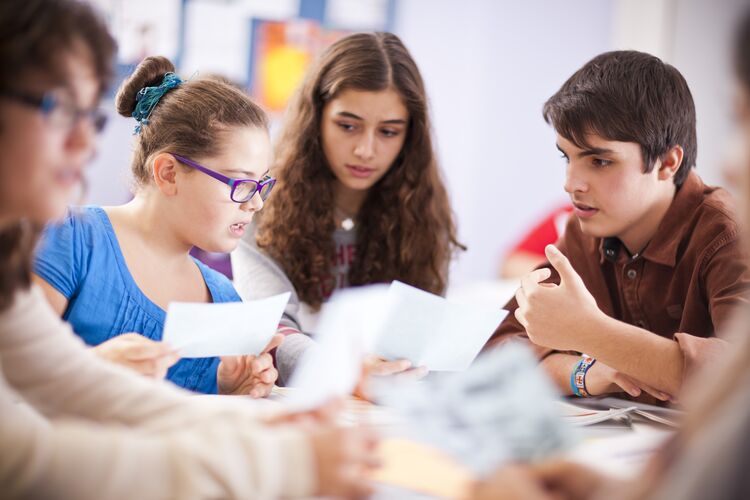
pixel 628 96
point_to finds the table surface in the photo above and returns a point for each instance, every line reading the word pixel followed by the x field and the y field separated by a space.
pixel 412 470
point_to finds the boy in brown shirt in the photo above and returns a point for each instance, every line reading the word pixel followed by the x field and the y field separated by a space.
pixel 650 265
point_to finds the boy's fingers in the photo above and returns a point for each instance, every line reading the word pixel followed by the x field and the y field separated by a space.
pixel 626 384
pixel 520 317
pixel 521 298
pixel 269 376
pixel 662 396
pixel 531 281
pixel 562 265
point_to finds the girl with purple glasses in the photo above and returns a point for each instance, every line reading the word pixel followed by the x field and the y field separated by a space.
pixel 200 171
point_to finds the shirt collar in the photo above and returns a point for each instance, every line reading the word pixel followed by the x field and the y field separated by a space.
pixel 662 249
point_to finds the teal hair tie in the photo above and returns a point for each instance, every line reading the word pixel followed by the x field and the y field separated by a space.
pixel 148 97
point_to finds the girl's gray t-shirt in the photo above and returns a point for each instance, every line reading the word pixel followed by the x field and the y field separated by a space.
pixel 257 276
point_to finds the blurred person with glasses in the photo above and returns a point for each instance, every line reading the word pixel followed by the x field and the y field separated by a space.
pixel 59 108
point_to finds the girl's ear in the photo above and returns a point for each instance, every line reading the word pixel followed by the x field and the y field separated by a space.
pixel 670 163
pixel 164 170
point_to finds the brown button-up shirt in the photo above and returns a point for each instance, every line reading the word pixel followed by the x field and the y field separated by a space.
pixel 683 286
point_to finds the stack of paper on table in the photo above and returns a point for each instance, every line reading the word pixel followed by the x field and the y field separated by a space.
pixel 621 455
pixel 671 417
pixel 577 416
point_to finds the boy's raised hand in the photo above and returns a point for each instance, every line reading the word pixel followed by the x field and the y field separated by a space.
pixel 553 315
pixel 249 375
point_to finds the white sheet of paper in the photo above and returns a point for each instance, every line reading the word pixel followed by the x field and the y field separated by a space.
pixel 396 322
pixel 199 330
pixel 432 331
pixel 331 368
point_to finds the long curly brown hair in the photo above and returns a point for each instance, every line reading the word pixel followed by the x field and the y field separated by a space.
pixel 405 227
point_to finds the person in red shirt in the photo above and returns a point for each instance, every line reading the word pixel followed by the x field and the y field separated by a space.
pixel 527 254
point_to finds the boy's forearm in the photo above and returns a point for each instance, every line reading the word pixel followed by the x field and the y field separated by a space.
pixel 638 353
pixel 559 366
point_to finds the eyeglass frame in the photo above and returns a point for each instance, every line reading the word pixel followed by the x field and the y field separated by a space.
pixel 47 103
pixel 231 182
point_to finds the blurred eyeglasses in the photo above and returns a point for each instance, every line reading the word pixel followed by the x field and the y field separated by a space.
pixel 59 109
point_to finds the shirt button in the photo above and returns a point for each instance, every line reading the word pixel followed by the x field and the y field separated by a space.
pixel 632 274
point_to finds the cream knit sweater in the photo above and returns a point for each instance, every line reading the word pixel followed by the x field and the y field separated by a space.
pixel 74 426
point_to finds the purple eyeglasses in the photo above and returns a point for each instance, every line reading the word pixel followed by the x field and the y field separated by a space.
pixel 243 190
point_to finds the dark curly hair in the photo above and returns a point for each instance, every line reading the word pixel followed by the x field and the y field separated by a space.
pixel 405 226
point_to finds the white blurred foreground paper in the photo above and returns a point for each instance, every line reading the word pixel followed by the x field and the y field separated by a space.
pixel 431 331
pixel 396 322
pixel 504 408
pixel 332 367
pixel 200 330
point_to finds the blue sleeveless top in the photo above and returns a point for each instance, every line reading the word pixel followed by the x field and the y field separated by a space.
pixel 81 258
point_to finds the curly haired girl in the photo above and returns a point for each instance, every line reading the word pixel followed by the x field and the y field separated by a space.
pixel 360 197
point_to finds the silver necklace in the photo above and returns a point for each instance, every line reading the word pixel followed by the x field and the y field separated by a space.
pixel 348 221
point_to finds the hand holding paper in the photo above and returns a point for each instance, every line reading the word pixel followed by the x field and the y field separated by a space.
pixel 249 375
pixel 395 322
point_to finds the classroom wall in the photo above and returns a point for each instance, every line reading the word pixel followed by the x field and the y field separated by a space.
pixel 701 50
pixel 696 37
pixel 493 65
pixel 489 66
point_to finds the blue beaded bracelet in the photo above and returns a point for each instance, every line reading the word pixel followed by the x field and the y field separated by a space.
pixel 578 377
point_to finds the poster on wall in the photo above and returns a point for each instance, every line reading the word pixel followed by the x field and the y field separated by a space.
pixel 281 52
